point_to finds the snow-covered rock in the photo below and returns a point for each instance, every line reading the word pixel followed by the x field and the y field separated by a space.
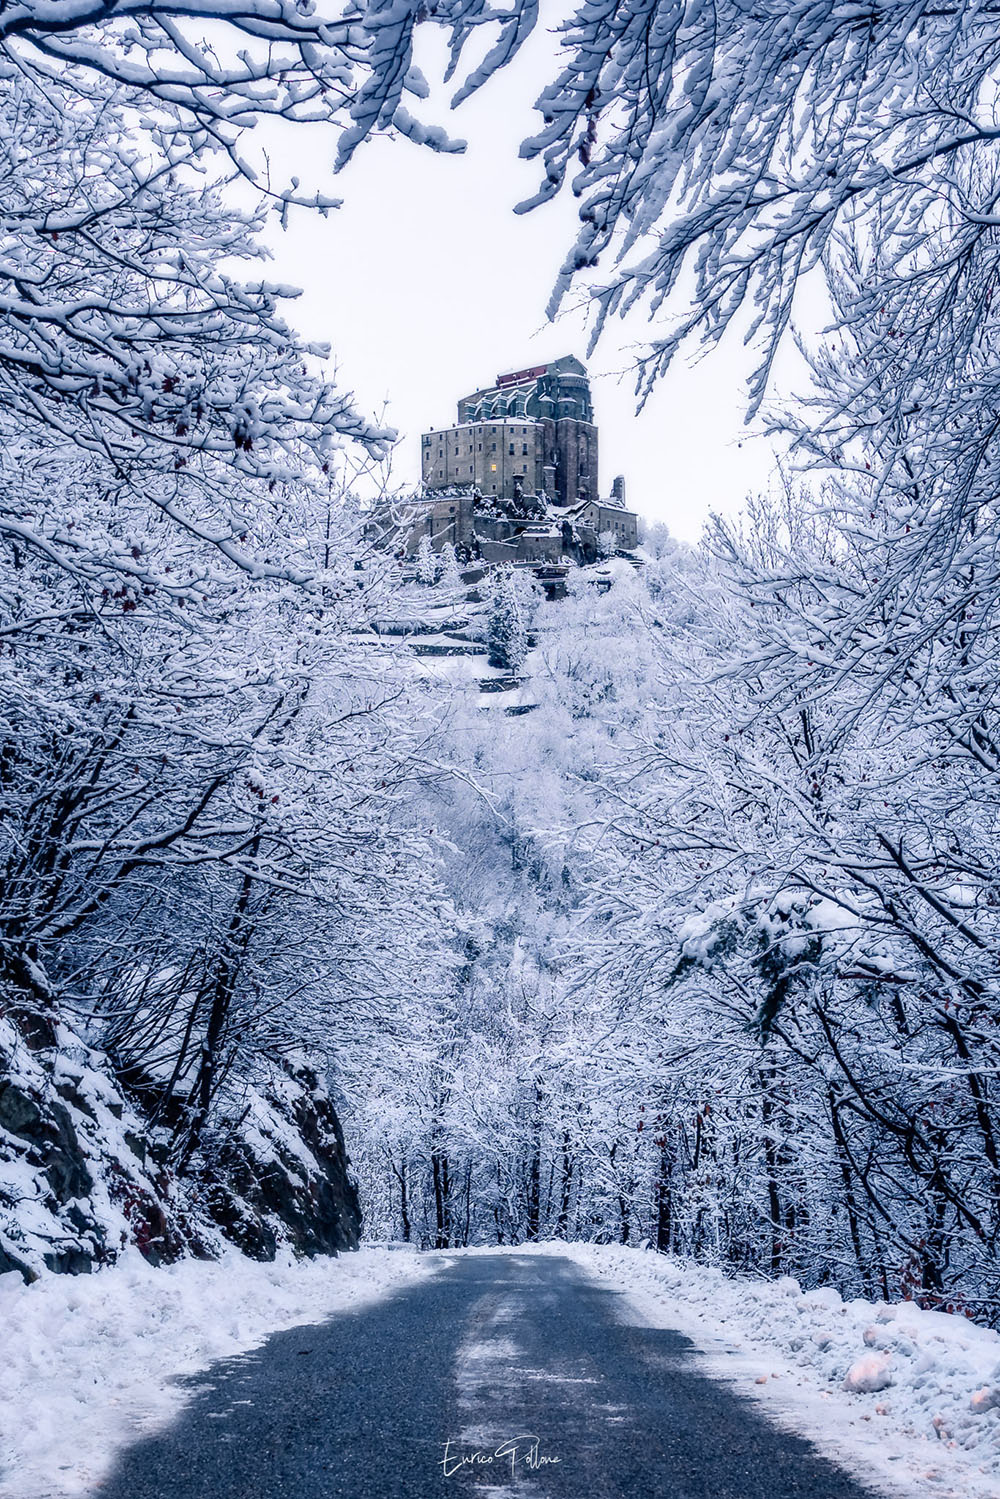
pixel 83 1177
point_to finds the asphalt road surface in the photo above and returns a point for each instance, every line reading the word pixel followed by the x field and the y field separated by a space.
pixel 505 1376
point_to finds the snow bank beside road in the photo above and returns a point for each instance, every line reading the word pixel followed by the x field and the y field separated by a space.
pixel 89 1361
pixel 907 1399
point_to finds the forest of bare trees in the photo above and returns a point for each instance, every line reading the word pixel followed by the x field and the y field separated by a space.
pixel 701 950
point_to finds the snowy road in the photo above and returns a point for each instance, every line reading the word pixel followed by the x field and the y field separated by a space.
pixel 504 1374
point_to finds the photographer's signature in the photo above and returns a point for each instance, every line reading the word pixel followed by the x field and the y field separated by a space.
pixel 523 1449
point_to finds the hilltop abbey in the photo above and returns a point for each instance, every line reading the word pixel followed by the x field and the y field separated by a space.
pixel 516 477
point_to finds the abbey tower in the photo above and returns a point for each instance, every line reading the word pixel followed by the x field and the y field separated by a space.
pixel 530 433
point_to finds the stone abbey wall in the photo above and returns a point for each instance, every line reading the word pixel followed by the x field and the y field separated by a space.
pixel 531 432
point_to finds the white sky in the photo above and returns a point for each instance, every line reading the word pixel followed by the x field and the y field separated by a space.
pixel 427 285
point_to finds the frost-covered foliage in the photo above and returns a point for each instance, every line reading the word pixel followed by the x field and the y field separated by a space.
pixel 426 568
pixel 508 618
pixel 728 981
pixel 721 145
pixel 726 145
pixel 820 855
pixel 204 73
pixel 498 1114
pixel 448 572
pixel 203 748
pixel 697 942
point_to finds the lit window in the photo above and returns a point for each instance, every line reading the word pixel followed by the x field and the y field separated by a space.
pixel 493 468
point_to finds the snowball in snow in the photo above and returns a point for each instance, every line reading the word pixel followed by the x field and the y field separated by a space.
pixel 869 1374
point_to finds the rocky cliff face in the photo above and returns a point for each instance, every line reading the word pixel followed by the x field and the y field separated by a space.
pixel 83 1175
pixel 279 1176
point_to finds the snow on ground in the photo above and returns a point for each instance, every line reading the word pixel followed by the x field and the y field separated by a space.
pixel 908 1400
pixel 90 1362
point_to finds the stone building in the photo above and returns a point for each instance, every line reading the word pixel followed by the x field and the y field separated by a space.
pixel 605 516
pixel 516 478
pixel 442 517
pixel 532 432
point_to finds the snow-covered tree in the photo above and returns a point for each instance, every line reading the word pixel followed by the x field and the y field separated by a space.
pixel 448 572
pixel 662 101
pixel 702 946
pixel 201 755
pixel 425 560
pixel 507 619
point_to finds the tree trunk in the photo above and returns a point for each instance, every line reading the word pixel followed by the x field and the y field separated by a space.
pixel 220 999
pixel 565 1188
pixel 771 1165
pixel 404 1200
pixel 442 1199
pixel 535 1167
pixel 664 1201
